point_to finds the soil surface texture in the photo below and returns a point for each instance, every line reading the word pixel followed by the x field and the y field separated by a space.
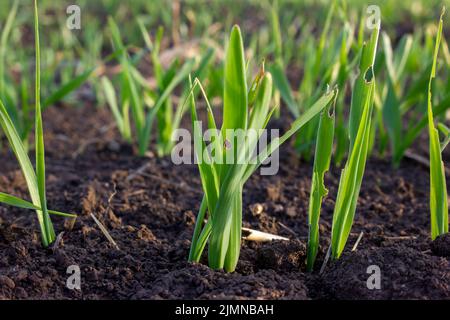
pixel 149 206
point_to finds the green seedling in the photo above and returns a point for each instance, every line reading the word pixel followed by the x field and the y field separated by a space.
pixel 35 179
pixel 359 132
pixel 243 109
pixel 132 99
pixel 15 95
pixel 438 185
pixel 322 158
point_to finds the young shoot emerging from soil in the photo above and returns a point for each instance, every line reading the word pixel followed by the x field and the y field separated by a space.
pixel 360 124
pixel 245 110
pixel 35 179
pixel 438 185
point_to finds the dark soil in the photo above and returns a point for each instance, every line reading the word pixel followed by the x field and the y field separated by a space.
pixel 149 207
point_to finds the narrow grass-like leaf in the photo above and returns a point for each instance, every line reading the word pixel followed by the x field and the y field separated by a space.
pixel 414 130
pixel 282 84
pixel 181 75
pixel 360 130
pixel 361 90
pixel 16 202
pixel 391 109
pixel 135 100
pixel 39 140
pixel 322 158
pixel 120 115
pixel 197 74
pixel 393 121
pixel 208 175
pixel 20 203
pixel 196 249
pixel 235 111
pixel 320 104
pixel 438 186
pixel 276 32
pixel 6 30
pixel 67 88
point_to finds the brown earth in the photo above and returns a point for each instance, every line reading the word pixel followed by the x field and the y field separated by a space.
pixel 149 205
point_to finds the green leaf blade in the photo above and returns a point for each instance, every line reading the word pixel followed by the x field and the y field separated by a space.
pixel 39 143
pixel 235 110
pixel 360 132
pixel 322 158
pixel 438 185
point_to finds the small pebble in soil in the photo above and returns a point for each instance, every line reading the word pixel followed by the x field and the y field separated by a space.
pixel 256 209
pixel 291 211
pixel 113 146
pixel 145 234
pixel 7 281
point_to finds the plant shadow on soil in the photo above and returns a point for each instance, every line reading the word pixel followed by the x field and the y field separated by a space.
pixel 150 213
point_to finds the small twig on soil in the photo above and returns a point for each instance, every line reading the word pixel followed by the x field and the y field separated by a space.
pixel 285 227
pixel 139 171
pixel 422 160
pixel 109 206
pixel 325 261
pixel 136 193
pixel 259 236
pixel 401 238
pixel 355 246
pixel 105 232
